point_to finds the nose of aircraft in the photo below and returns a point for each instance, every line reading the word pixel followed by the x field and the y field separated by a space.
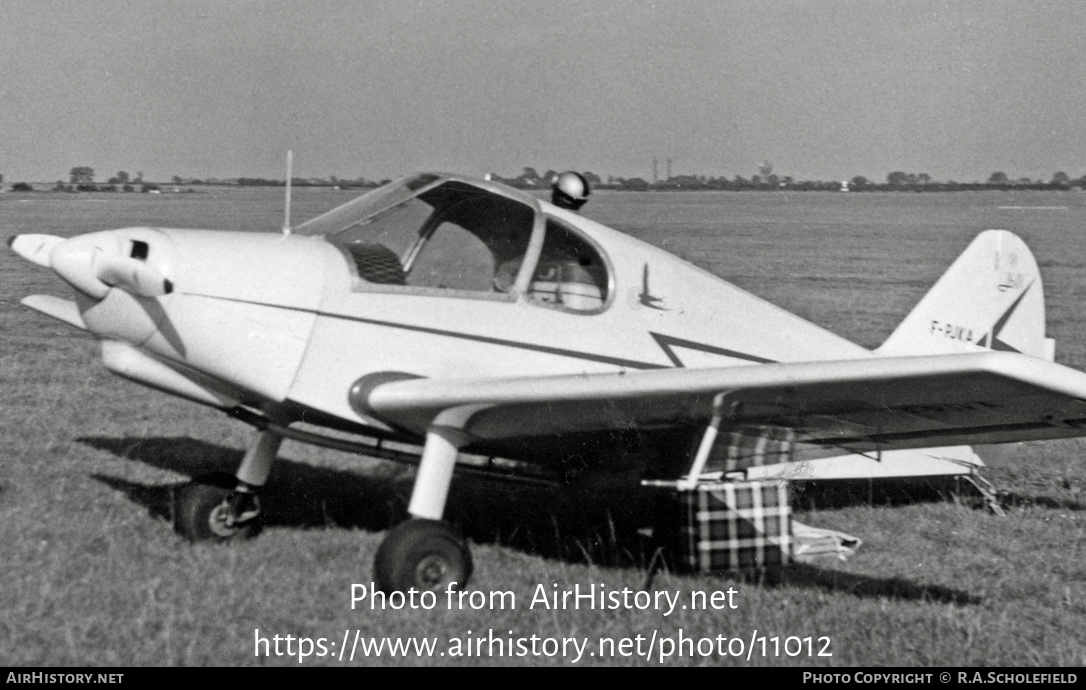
pixel 237 307
pixel 34 248
pixel 96 262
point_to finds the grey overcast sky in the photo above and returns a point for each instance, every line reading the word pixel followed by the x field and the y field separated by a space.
pixel 824 89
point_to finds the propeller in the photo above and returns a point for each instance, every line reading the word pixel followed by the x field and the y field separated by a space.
pixel 93 263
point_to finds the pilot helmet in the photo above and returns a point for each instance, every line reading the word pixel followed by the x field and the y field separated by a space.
pixel 570 190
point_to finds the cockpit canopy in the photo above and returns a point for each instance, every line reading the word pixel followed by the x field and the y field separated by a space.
pixel 465 237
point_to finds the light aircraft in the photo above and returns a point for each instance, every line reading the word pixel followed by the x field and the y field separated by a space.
pixel 457 320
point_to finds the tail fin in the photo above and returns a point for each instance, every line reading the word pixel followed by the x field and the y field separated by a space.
pixel 990 298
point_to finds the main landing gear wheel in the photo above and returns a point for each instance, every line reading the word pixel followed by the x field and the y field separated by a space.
pixel 424 554
pixel 210 509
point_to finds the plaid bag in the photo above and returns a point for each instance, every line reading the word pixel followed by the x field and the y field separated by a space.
pixel 734 526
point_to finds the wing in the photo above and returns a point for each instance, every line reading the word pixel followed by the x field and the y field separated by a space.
pixel 863 404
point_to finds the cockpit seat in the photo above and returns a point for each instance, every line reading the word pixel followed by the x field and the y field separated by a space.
pixel 566 283
pixel 378 264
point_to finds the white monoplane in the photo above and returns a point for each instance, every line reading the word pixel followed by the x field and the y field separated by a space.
pixel 460 318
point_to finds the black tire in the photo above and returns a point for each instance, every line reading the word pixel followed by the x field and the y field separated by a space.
pixel 202 506
pixel 425 554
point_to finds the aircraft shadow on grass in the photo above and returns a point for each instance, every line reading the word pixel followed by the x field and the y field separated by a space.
pixel 1015 499
pixel 903 492
pixel 595 523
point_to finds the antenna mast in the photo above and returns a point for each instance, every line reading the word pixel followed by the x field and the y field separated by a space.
pixel 286 209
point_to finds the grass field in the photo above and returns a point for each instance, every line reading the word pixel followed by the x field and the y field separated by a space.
pixel 92 572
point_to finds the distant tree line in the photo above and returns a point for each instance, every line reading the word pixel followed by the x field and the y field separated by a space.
pixel 901 181
pixel 766 181
pixel 81 179
pixel 335 182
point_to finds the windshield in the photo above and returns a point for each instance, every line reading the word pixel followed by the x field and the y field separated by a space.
pixel 364 206
pixel 431 232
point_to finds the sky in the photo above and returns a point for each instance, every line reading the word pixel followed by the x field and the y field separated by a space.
pixel 822 89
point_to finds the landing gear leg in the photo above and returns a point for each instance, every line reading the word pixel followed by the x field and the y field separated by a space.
pixel 424 552
pixel 224 507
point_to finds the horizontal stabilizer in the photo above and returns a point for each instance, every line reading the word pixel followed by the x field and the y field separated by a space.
pixel 61 309
pixel 891 464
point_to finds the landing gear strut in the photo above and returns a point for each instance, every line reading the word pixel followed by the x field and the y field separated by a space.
pixel 225 507
pixel 424 552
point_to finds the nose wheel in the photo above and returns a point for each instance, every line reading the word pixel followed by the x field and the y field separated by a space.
pixel 211 508
pixel 226 507
pixel 427 555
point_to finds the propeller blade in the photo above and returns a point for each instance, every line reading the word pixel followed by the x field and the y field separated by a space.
pixel 133 275
pixel 94 263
